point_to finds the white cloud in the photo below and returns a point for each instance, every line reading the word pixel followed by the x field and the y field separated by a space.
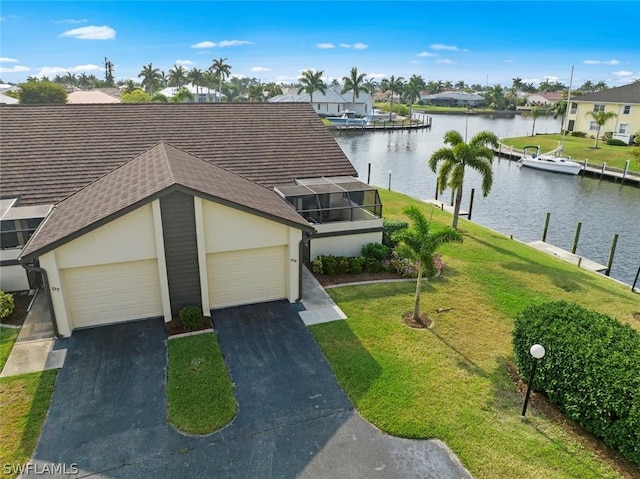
pixel 285 79
pixel 91 33
pixel 86 68
pixel 623 73
pixel 601 62
pixel 325 46
pixel 355 46
pixel 222 44
pixel 451 48
pixel 259 69
pixel 15 69
pixel 185 63
pixel 446 61
pixel 376 76
pixel 427 54
pixel 53 71
pixel 71 21
pixel 203 45
pixel 8 60
pixel 508 60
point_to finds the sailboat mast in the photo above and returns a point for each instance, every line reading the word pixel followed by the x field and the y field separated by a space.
pixel 565 123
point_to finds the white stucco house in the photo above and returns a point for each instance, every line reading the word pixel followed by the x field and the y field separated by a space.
pixel 123 212
pixel 330 103
pixel 200 94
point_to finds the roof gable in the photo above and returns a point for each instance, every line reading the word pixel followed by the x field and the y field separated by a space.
pixel 50 151
pixel 622 94
pixel 144 178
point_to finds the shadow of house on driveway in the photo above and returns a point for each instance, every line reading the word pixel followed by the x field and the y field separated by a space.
pixel 108 414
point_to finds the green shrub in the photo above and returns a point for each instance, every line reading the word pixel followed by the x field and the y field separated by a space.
pixel 356 265
pixel 615 142
pixel 579 134
pixel 375 251
pixel 372 265
pixel 330 264
pixel 7 305
pixel 343 265
pixel 591 369
pixel 191 317
pixel 390 228
pixel 316 266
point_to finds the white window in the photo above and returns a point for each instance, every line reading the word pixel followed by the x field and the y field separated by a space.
pixel 598 107
pixel 593 126
pixel 574 108
pixel 623 128
pixel 626 109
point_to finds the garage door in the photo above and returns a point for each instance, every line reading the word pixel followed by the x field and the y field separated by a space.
pixel 247 276
pixel 112 293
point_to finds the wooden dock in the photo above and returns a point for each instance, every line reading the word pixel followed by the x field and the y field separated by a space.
pixel 386 126
pixel 574 259
pixel 594 171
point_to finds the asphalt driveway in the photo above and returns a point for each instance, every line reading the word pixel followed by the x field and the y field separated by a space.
pixel 108 413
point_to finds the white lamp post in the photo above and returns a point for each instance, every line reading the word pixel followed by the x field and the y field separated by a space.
pixel 537 352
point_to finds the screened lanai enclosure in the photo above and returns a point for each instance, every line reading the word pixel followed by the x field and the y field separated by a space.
pixel 327 200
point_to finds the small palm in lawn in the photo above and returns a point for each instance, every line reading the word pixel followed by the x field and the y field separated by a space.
pixel 600 117
pixel 535 113
pixel 419 244
pixel 459 155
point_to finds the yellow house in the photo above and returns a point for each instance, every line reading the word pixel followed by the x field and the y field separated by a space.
pixel 624 101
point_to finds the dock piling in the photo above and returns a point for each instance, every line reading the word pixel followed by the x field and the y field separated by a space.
pixel 604 167
pixel 626 170
pixel 612 251
pixel 369 174
pixel 473 190
pixel 575 239
pixel 437 189
pixel 633 286
pixel 546 228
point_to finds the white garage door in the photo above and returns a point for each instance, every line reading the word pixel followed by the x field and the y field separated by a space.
pixel 247 276
pixel 112 293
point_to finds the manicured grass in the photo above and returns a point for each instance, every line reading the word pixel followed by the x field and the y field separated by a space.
pixel 579 149
pixel 199 389
pixel 8 337
pixel 452 382
pixel 24 402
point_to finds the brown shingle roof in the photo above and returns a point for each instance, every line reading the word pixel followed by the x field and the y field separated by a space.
pixel 622 94
pixel 150 175
pixel 49 152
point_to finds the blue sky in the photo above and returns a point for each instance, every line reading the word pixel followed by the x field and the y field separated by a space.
pixel 478 42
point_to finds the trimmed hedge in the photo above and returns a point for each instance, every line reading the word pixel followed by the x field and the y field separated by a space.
pixel 7 304
pixel 615 142
pixel 591 369
pixel 191 317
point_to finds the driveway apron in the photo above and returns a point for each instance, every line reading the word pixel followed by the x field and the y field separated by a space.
pixel 108 413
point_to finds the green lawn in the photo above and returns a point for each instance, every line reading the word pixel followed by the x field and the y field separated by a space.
pixel 8 337
pixel 579 149
pixel 199 389
pixel 24 402
pixel 451 382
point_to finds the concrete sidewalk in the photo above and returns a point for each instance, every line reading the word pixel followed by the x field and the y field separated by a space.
pixel 318 305
pixel 36 348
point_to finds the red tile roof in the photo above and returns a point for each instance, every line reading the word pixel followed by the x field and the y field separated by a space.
pixel 150 175
pixel 47 152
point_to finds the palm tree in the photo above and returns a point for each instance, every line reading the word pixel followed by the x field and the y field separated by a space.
pixel 150 78
pixel 535 113
pixel 183 95
pixel 129 86
pixel 83 81
pixel 312 81
pixel 355 83
pixel 517 83
pixel 457 156
pixel 196 77
pixel 177 76
pixel 600 117
pixel 394 85
pixel 256 93
pixel 222 70
pixel 371 86
pixel 413 88
pixel 70 79
pixel 273 89
pixel 419 244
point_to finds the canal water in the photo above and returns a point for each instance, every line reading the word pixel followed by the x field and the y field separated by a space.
pixel 520 197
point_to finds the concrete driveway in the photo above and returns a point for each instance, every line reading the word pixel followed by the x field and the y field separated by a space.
pixel 108 413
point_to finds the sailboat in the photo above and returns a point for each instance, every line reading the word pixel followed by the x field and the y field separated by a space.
pixel 553 160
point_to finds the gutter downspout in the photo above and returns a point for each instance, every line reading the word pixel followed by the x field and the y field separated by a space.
pixel 45 279
pixel 305 239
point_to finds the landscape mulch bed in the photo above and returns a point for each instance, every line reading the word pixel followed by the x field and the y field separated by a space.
pixel 21 300
pixel 175 326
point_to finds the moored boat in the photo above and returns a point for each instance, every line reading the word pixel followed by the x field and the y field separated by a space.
pixel 548 162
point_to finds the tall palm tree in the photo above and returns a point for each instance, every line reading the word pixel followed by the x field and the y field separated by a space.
pixel 371 85
pixel 83 81
pixel 394 85
pixel 412 89
pixel 196 77
pixel 312 81
pixel 600 117
pixel 129 86
pixel 70 79
pixel 222 70
pixel 177 76
pixel 256 93
pixel 150 78
pixel 459 155
pixel 354 83
pixel 163 79
pixel 535 113
pixel 419 245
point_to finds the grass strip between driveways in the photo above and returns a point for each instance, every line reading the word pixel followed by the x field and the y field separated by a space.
pixel 199 388
pixel 24 402
pixel 8 337
pixel 452 382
